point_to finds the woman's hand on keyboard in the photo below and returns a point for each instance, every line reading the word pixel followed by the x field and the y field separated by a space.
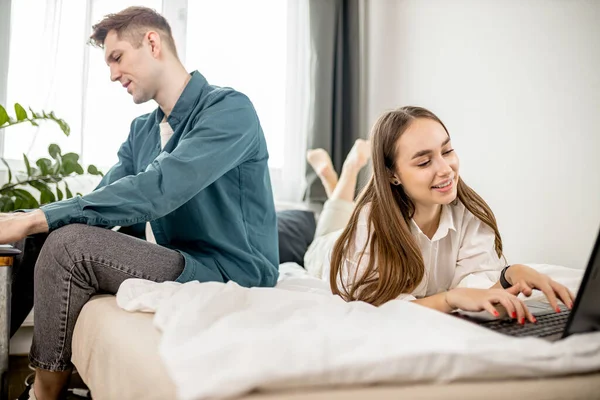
pixel 486 299
pixel 528 279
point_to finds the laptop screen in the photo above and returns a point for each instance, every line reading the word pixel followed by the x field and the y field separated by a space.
pixel 585 316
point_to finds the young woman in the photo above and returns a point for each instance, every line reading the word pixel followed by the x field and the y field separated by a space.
pixel 417 231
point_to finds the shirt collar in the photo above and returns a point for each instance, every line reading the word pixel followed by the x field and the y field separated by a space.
pixel 446 223
pixel 186 101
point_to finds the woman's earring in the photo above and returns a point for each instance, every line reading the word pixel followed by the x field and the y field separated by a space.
pixel 396 182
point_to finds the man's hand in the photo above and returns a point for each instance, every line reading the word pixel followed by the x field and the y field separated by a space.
pixel 15 226
pixel 528 279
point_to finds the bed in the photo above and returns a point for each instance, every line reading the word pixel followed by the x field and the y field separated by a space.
pixel 115 352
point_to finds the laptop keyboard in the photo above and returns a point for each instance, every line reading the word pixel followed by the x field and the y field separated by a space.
pixel 547 324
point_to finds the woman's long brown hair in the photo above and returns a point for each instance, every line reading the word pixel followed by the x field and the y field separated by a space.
pixel 395 264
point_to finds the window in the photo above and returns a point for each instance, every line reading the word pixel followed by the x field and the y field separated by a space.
pixel 108 108
pixel 51 67
pixel 236 43
pixel 242 44
pixel 44 72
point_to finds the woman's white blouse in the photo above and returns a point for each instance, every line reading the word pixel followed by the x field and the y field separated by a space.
pixel 461 253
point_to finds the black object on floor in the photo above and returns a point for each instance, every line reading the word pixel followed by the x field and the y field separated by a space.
pixel 19 370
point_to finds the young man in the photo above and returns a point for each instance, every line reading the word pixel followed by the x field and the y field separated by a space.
pixel 192 176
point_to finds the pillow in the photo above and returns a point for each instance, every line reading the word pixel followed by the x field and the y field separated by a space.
pixel 296 230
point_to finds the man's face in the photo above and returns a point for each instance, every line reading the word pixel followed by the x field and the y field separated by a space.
pixel 135 68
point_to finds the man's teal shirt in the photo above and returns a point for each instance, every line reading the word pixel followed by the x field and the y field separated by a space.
pixel 207 193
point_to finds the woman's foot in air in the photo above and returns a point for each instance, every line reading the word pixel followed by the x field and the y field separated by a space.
pixel 320 161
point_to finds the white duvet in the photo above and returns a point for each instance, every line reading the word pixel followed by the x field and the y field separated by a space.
pixel 221 340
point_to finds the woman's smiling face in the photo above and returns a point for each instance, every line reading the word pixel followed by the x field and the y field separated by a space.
pixel 426 164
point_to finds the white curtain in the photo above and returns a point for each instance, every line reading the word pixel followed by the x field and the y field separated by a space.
pixel 48 56
pixel 289 181
pixel 44 73
pixel 264 54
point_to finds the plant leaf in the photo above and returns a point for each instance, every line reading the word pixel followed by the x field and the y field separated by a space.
pixel 59 193
pixel 93 170
pixel 19 203
pixel 44 164
pixel 27 164
pixel 8 204
pixel 71 157
pixel 54 151
pixel 57 167
pixel 61 122
pixel 3 116
pixel 46 193
pixel 63 126
pixel 34 114
pixel 68 168
pixel 20 112
pixel 70 163
pixel 79 169
pixel 68 191
pixel 47 197
pixel 40 185
pixel 7 168
pixel 25 195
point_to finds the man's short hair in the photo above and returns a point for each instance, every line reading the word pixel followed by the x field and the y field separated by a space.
pixel 132 24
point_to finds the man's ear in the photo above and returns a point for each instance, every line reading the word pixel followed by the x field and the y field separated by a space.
pixel 154 42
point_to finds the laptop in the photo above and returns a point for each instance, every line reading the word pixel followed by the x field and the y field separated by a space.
pixel 583 318
pixel 8 250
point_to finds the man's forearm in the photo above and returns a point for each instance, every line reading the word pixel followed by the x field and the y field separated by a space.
pixel 36 222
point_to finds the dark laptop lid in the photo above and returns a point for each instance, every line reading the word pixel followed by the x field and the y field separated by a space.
pixel 585 316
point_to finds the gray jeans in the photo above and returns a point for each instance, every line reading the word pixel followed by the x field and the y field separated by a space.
pixel 75 263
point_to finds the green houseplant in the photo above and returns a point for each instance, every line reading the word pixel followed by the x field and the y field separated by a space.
pixel 46 175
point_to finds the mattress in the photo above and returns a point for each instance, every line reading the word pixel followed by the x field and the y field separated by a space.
pixel 116 354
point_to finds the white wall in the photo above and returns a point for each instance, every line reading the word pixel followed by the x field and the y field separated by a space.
pixel 518 85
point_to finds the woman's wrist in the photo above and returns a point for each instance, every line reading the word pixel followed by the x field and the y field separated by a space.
pixel 437 302
pixel 509 274
pixel 505 281
pixel 447 303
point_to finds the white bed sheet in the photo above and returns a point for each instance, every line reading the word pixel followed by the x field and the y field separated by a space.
pixel 299 335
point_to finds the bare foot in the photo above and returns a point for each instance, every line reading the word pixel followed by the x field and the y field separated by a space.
pixel 359 155
pixel 320 161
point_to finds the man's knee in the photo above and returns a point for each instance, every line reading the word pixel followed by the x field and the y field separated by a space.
pixel 60 245
pixel 68 235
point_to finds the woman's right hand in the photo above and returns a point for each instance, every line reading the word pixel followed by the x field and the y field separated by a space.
pixel 485 299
